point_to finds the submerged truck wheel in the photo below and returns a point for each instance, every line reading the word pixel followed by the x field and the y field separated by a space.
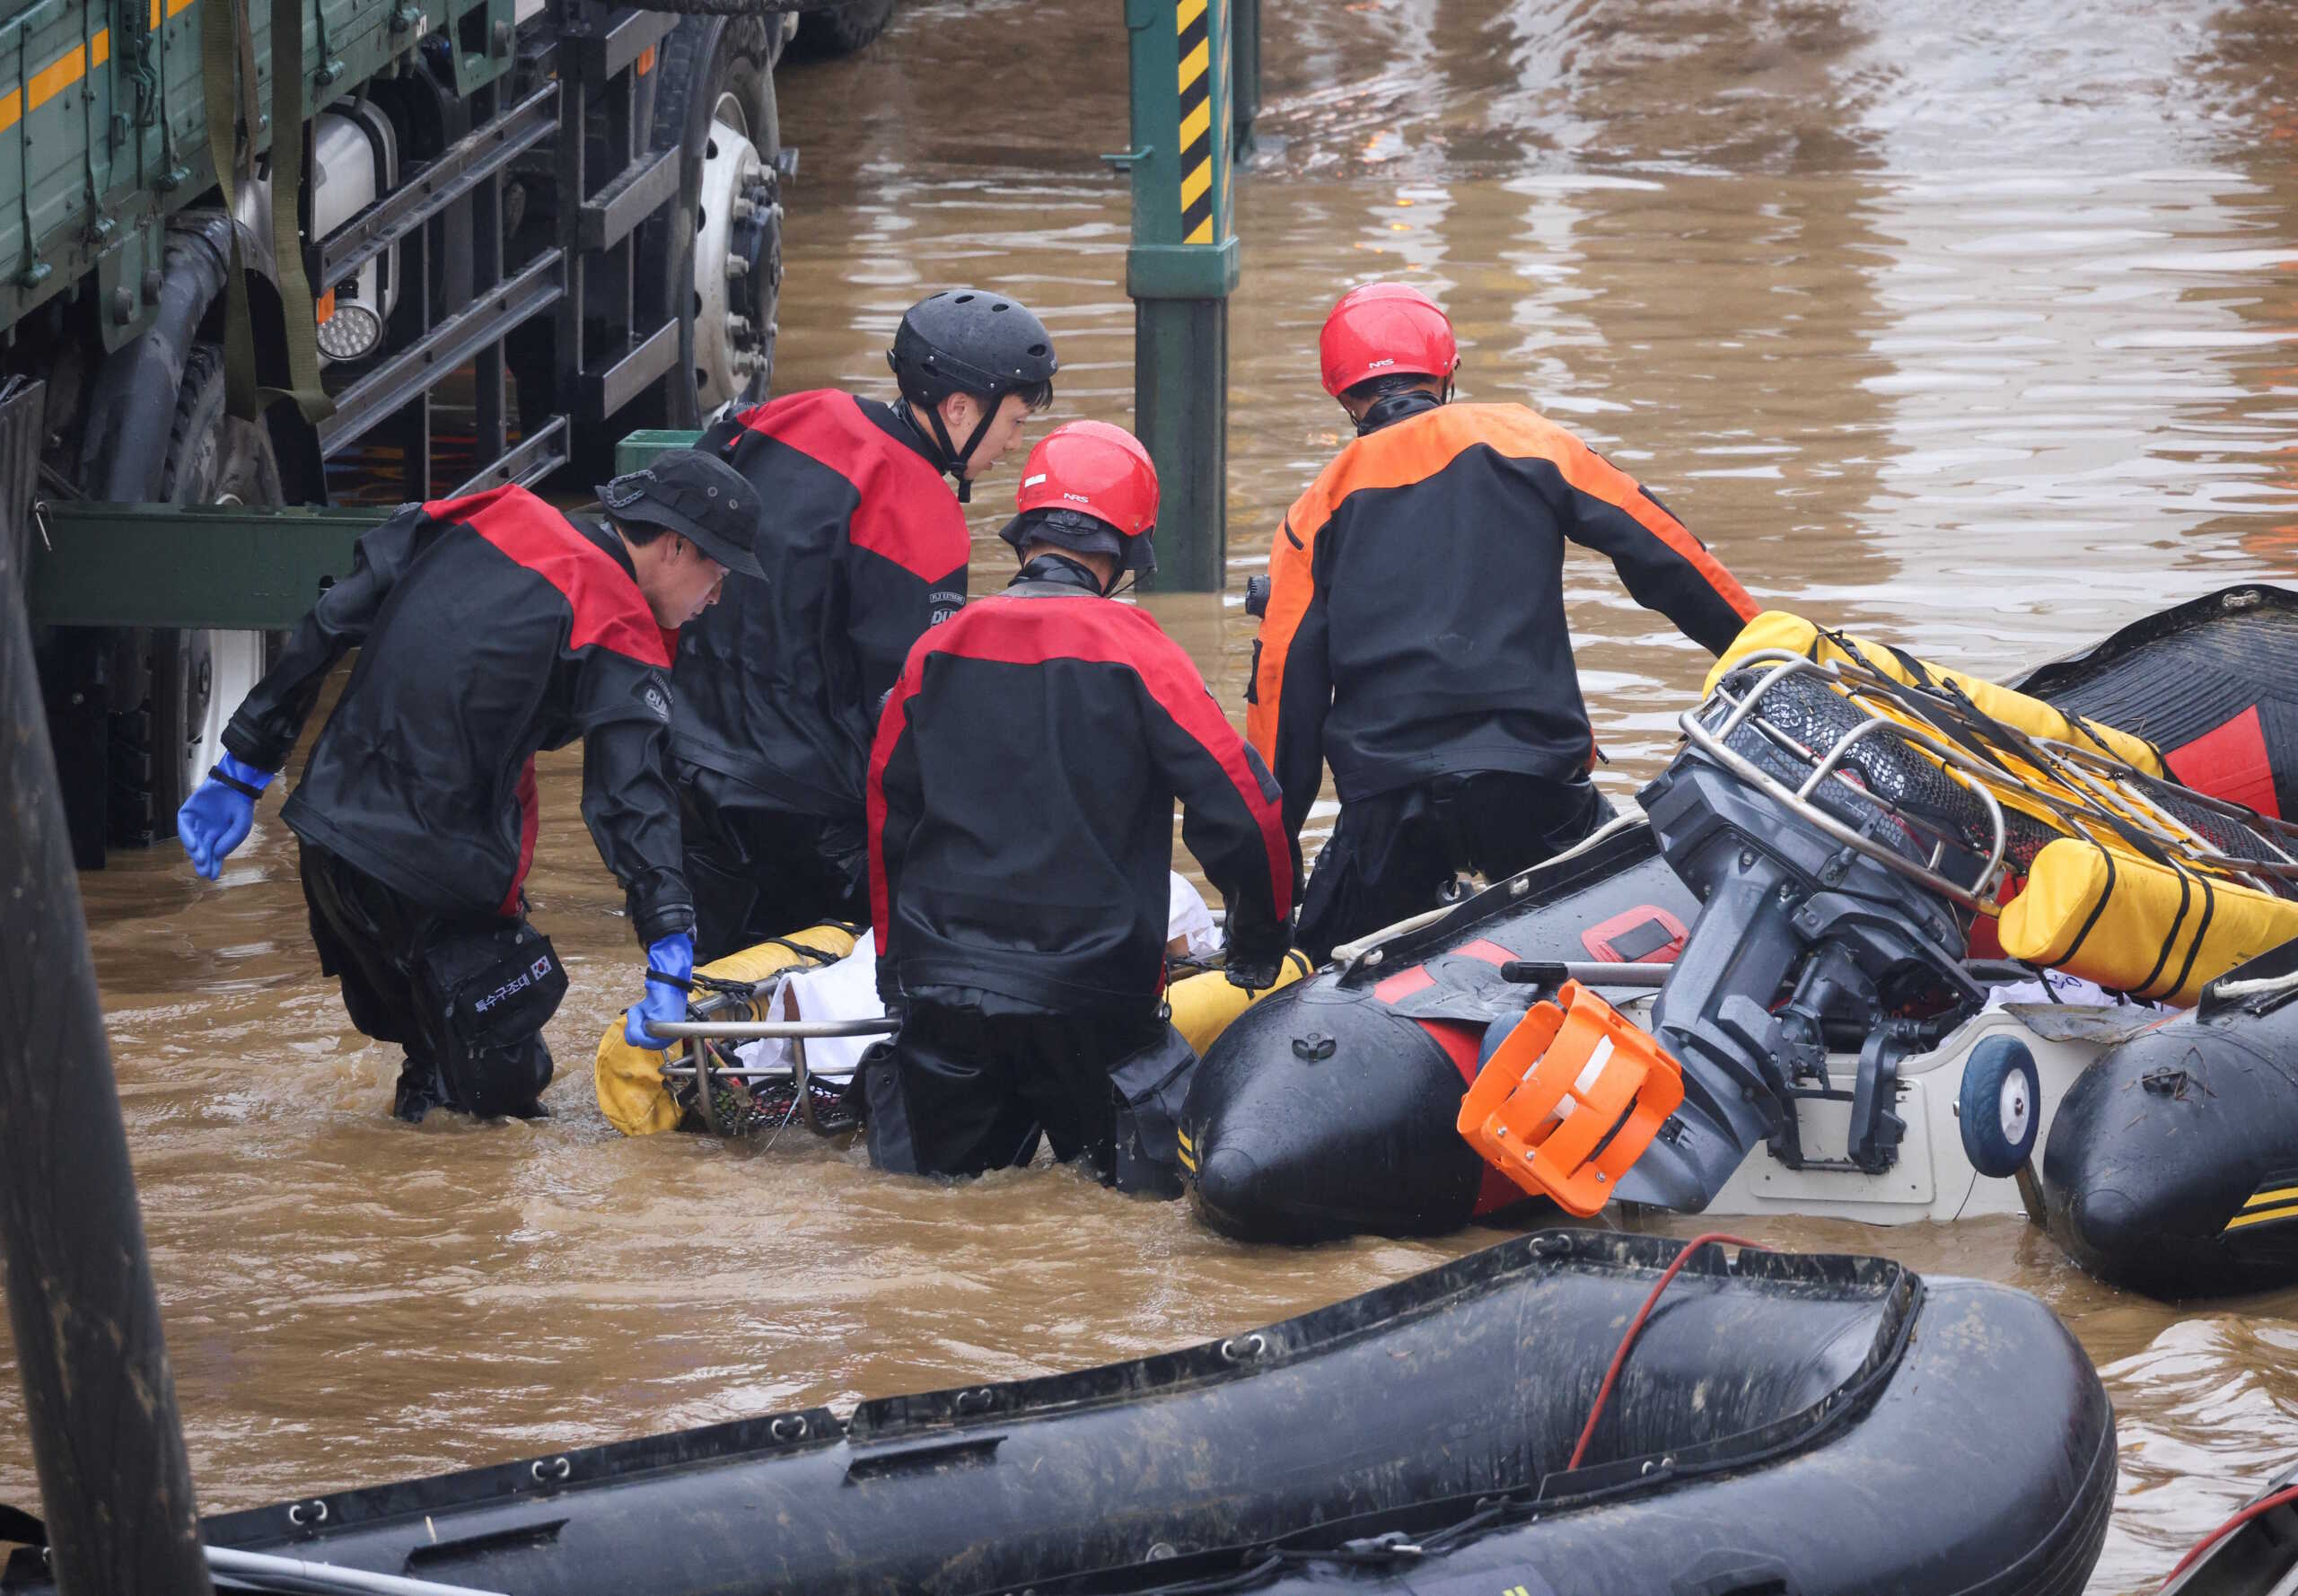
pixel 715 254
pixel 192 681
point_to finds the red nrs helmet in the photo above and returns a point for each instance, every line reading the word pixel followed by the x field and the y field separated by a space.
pixel 1095 469
pixel 1382 330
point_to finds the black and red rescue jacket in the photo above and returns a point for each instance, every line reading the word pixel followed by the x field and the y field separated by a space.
pixel 1416 612
pixel 865 547
pixel 487 627
pixel 1021 793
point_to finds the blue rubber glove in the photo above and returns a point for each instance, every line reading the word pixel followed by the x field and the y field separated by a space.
pixel 665 1001
pixel 214 819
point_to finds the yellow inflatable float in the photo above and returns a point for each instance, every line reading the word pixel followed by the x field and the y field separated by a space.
pixel 2130 894
pixel 1776 629
pixel 628 1080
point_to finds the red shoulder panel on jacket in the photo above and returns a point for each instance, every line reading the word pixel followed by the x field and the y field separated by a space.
pixel 906 513
pixel 608 608
pixel 1032 631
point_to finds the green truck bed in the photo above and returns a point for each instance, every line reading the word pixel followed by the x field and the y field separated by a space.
pixel 106 100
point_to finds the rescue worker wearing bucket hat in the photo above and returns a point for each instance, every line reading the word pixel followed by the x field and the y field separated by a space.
pixel 1020 802
pixel 489 628
pixel 864 546
pixel 1414 636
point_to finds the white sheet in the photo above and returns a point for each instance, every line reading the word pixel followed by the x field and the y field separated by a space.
pixel 848 989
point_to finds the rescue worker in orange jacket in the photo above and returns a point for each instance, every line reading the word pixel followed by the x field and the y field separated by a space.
pixel 1415 638
pixel 1021 800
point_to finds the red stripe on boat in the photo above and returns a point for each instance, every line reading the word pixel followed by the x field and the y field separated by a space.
pixel 2231 762
pixel 1403 984
pixel 1491 952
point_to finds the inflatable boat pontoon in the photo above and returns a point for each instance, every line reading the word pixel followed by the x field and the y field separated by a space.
pixel 1811 1425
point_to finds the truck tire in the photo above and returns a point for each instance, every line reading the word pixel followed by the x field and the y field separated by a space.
pixel 714 74
pixel 192 681
pixel 842 29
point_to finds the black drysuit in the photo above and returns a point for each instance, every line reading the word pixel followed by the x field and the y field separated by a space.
pixel 1021 798
pixel 1415 641
pixel 488 627
pixel 864 548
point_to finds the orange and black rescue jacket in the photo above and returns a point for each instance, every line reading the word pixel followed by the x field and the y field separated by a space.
pixel 1416 612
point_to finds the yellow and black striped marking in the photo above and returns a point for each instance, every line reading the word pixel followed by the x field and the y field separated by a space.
pixel 70 67
pixel 54 78
pixel 2271 1204
pixel 1194 22
pixel 1189 1153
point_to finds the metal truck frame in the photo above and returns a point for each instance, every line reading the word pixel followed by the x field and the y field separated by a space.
pixel 565 210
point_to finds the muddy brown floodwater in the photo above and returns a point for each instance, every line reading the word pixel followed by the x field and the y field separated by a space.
pixel 1970 324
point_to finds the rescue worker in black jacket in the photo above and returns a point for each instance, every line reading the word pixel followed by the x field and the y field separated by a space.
pixel 1021 794
pixel 488 627
pixel 1414 636
pixel 864 547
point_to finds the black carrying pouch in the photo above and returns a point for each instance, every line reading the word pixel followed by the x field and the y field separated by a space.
pixel 497 987
pixel 1150 1087
pixel 885 1112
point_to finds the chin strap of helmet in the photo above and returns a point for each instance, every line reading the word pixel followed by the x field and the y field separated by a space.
pixel 953 459
pixel 1392 407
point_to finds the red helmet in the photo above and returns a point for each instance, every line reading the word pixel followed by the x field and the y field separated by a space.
pixel 1095 468
pixel 1383 329
pixel 1090 487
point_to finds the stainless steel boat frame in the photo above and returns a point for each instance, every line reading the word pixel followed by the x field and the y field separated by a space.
pixel 2110 794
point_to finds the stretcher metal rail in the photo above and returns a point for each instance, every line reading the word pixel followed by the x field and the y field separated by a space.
pixel 704 1062
pixel 771 1031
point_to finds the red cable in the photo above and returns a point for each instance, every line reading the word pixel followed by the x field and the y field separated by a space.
pixel 2264 1504
pixel 1604 1392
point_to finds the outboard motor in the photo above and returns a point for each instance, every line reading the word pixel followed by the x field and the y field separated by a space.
pixel 1780 812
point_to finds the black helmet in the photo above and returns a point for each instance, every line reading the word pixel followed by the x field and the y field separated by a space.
pixel 962 340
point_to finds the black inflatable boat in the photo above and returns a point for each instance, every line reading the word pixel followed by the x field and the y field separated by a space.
pixel 1826 1014
pixel 2172 1167
pixel 1330 1107
pixel 2212 682
pixel 1782 1424
pixel 2253 1553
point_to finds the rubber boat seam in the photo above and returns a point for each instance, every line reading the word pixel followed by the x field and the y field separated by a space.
pixel 1340 1325
pixel 1860 1393
pixel 510 1481
pixel 1317 1341
pixel 1790 1433
pixel 2084 1507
